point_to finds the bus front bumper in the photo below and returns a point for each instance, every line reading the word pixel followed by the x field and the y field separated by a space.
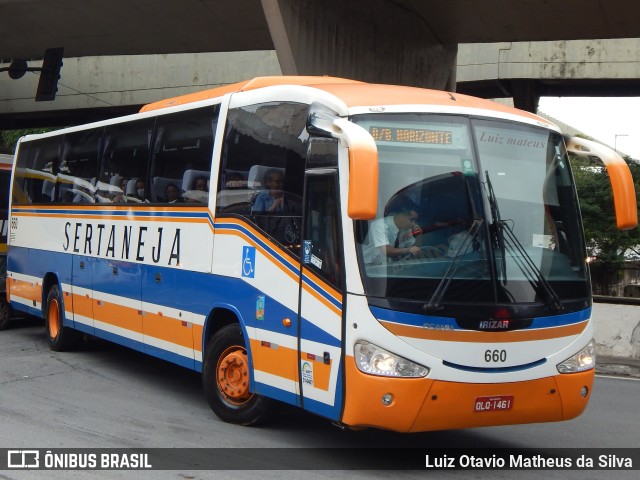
pixel 422 404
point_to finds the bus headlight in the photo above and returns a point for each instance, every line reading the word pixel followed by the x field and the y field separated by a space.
pixel 584 360
pixel 374 360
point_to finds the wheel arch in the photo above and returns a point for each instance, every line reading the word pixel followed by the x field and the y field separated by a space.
pixel 50 279
pixel 220 316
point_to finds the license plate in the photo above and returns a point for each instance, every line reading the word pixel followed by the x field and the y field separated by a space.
pixel 493 404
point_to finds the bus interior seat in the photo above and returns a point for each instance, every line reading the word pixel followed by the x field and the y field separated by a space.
pixel 190 176
pixel 255 179
pixel 158 187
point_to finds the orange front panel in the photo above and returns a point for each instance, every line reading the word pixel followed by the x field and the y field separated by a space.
pixel 424 404
pixel 363 399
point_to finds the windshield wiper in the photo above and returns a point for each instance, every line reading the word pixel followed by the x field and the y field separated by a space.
pixel 524 261
pixel 497 225
pixel 452 267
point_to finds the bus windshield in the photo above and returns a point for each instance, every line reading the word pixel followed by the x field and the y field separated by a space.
pixel 472 211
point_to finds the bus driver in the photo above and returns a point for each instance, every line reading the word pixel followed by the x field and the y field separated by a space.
pixel 391 237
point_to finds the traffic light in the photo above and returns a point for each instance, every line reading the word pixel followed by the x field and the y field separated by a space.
pixel 50 74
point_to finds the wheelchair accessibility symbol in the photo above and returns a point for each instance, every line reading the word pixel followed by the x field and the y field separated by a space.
pixel 248 261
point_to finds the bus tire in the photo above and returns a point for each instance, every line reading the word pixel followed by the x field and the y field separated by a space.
pixel 225 379
pixel 5 313
pixel 60 338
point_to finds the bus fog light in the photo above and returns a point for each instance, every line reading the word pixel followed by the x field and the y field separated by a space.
pixel 387 399
pixel 378 361
pixel 582 361
pixel 584 391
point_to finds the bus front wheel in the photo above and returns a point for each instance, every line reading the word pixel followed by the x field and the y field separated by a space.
pixel 225 379
pixel 60 338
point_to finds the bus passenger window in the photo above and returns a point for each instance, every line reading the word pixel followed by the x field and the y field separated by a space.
pixel 182 156
pixel 125 160
pixel 266 145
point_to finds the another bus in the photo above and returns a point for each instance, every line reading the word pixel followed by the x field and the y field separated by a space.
pixel 5 181
pixel 231 232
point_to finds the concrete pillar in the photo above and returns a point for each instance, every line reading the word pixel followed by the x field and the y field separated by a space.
pixel 375 41
pixel 525 94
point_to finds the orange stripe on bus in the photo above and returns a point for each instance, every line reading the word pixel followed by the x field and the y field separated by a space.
pixel 314 278
pixel 110 217
pixel 118 316
pixel 168 329
pixel 280 361
pixel 321 299
pixel 485 337
pixel 116 208
pixel 23 289
pixel 325 286
pixel 81 305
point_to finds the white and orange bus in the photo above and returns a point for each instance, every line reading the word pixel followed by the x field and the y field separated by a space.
pixel 5 181
pixel 383 256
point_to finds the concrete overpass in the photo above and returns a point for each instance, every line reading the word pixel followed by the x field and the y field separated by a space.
pixel 411 42
pixel 527 71
pixel 97 87
pixel 415 42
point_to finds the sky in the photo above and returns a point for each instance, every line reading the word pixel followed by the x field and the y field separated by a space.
pixel 610 120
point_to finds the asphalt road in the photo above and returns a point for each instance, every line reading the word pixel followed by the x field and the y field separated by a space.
pixel 104 396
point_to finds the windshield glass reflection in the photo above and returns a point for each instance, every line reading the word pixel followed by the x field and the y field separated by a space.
pixel 438 237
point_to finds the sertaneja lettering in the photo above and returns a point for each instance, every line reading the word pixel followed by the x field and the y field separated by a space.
pixel 124 242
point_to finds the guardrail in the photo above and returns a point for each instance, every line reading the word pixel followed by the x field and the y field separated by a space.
pixel 617 300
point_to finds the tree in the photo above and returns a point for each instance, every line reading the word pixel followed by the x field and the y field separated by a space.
pixel 9 138
pixel 606 245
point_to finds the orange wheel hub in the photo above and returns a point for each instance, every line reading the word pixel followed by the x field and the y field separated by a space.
pixel 53 318
pixel 232 375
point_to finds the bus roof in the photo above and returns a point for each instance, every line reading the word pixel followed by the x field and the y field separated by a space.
pixel 353 93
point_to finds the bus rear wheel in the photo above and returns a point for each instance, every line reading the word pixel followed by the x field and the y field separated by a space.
pixel 225 379
pixel 60 338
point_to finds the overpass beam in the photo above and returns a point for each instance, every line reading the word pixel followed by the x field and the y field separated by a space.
pixel 374 41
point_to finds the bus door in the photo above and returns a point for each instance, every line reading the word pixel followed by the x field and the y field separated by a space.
pixel 320 320
pixel 117 301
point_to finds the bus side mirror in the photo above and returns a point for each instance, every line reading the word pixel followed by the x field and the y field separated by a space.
pixel 363 161
pixel 624 193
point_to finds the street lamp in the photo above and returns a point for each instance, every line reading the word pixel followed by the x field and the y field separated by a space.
pixel 615 140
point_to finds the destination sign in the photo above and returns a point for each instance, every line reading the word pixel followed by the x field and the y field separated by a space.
pixel 411 135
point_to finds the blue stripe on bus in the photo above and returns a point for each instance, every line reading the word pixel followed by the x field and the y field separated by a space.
pixel 320 291
pixel 276 393
pixel 172 357
pixel 333 412
pixel 204 289
pixel 286 262
pixel 448 323
pixel 315 333
pixel 145 348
